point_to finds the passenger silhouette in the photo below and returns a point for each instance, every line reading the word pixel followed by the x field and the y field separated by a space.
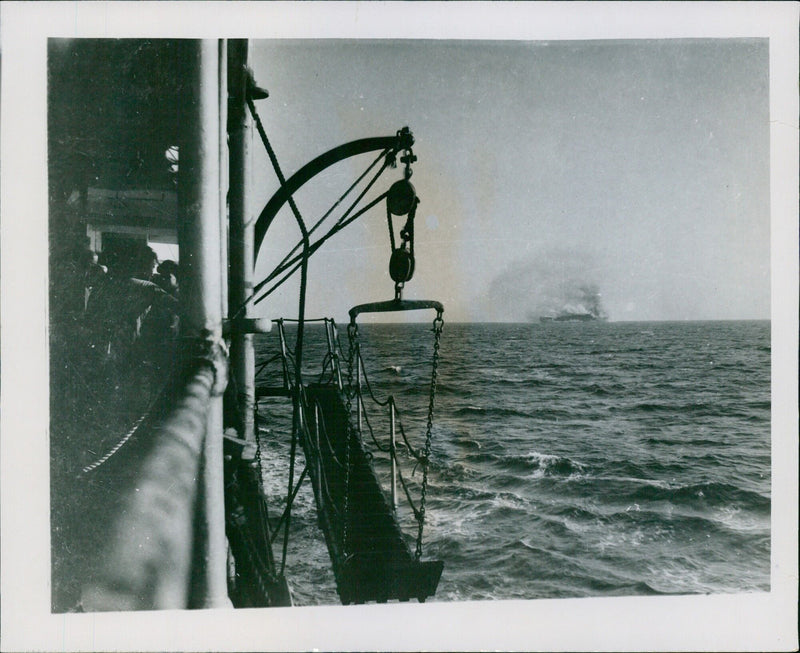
pixel 132 323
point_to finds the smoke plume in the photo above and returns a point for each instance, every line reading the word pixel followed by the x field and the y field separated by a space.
pixel 550 284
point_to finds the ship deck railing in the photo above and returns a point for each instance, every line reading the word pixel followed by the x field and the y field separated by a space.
pixel 370 555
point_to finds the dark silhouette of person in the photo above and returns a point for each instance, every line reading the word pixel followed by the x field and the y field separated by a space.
pixel 167 277
pixel 132 322
pixel 93 274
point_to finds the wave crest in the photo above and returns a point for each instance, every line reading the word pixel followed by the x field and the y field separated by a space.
pixel 544 464
pixel 711 494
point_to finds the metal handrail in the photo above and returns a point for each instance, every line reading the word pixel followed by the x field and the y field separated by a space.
pixel 332 361
pixel 158 506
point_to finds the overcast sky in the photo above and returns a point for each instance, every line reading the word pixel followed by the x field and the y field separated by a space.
pixel 638 167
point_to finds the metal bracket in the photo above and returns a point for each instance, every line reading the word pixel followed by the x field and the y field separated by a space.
pixel 246 325
pixel 396 305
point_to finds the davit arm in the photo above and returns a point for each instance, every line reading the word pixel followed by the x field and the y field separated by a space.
pixel 402 140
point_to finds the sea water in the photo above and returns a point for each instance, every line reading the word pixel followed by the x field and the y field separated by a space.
pixel 567 459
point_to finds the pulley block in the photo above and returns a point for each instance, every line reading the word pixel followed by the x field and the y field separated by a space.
pixel 401 265
pixel 401 197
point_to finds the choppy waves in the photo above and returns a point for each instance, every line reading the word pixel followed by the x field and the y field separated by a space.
pixel 589 460
pixel 532 463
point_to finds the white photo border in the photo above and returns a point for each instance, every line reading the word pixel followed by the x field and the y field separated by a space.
pixel 721 622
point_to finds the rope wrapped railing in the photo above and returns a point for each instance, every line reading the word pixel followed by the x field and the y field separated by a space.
pixel 147 563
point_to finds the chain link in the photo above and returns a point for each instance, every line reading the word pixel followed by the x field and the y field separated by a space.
pixel 352 337
pixel 438 324
pixel 258 447
pixel 353 353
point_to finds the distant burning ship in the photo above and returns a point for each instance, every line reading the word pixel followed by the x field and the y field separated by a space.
pixel 587 310
pixel 571 317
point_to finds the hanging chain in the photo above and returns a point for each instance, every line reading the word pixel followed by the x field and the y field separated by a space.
pixel 438 323
pixel 352 336
pixel 353 355
pixel 259 466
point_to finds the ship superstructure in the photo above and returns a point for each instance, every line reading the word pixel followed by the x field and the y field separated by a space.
pixel 157 487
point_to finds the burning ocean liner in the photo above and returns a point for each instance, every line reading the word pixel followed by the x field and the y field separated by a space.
pixel 586 309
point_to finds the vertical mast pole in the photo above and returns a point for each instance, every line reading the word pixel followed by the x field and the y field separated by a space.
pixel 359 408
pixel 199 232
pixel 241 234
pixel 224 181
pixel 393 452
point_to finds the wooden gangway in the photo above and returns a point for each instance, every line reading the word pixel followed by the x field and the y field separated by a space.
pixel 370 557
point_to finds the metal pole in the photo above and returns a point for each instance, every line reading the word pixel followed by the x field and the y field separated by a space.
pixel 328 338
pixel 283 354
pixel 336 357
pixel 331 337
pixel 223 173
pixel 358 382
pixel 243 360
pixel 392 452
pixel 201 318
pixel 317 421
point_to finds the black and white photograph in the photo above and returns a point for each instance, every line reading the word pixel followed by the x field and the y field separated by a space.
pixel 402 333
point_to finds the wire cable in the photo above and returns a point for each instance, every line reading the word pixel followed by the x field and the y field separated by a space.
pixel 300 317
